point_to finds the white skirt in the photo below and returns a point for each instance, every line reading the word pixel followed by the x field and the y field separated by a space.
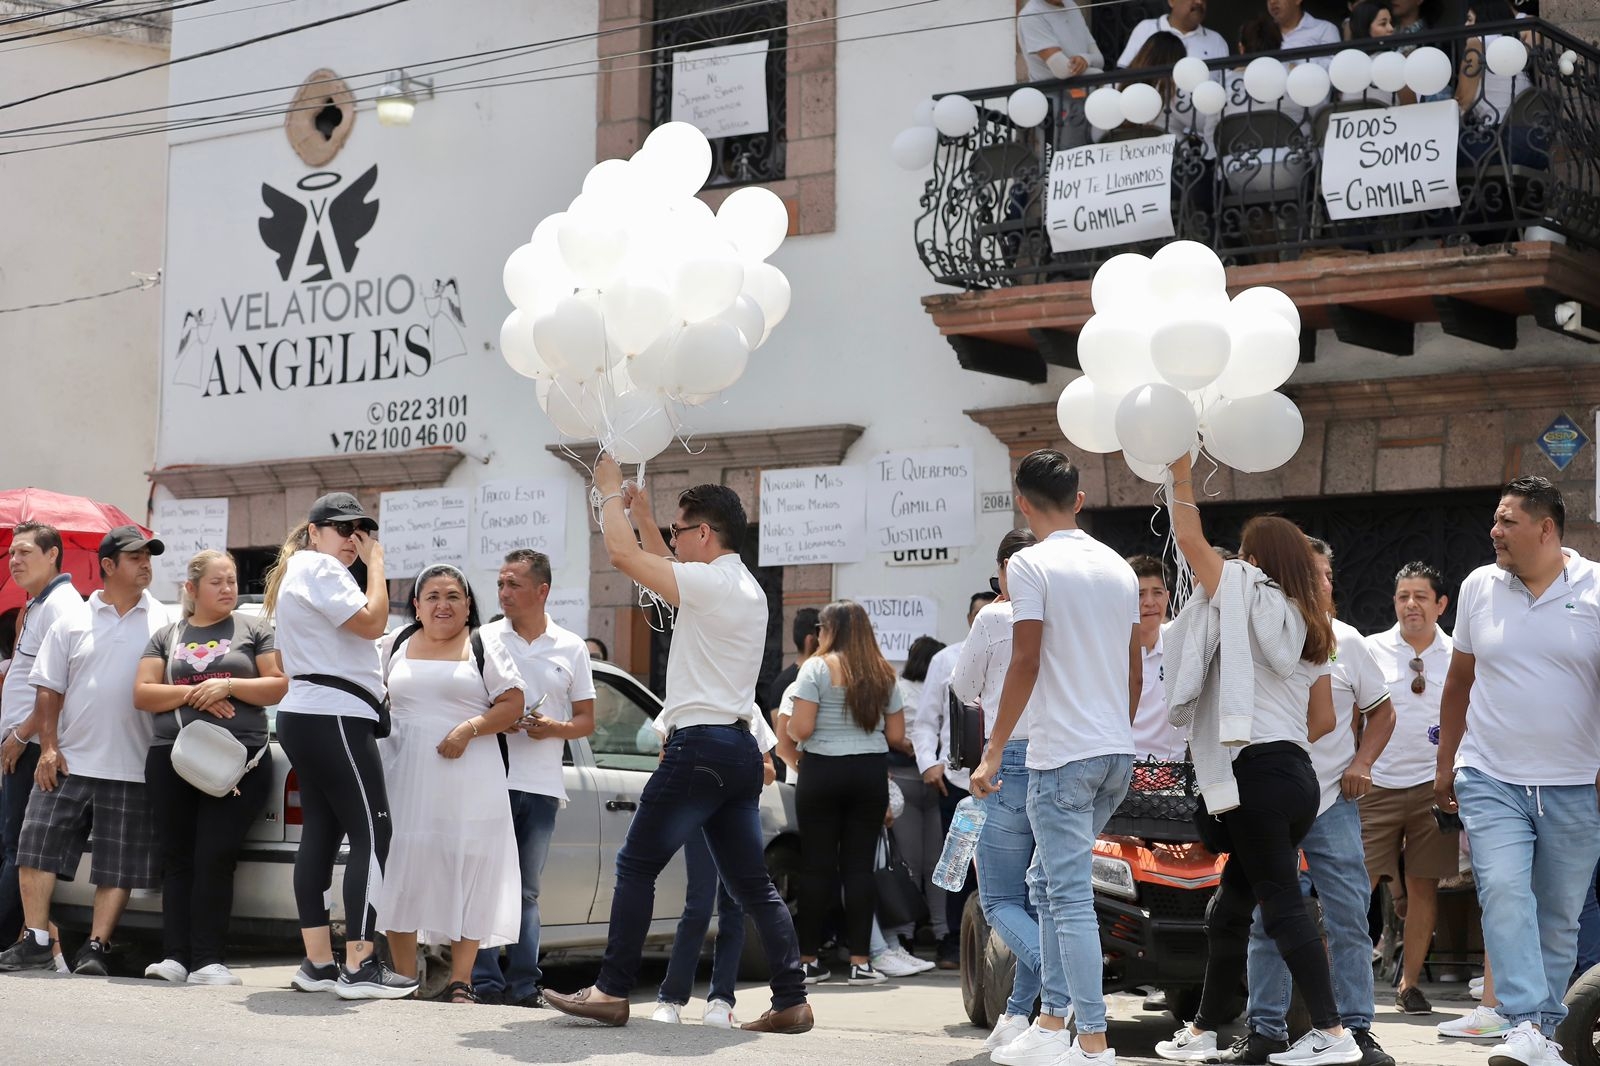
pixel 453 871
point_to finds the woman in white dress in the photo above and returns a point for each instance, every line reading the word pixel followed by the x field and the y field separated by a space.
pixel 452 876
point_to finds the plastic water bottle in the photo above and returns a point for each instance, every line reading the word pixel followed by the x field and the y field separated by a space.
pixel 960 844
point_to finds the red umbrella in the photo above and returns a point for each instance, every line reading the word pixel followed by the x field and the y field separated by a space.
pixel 81 522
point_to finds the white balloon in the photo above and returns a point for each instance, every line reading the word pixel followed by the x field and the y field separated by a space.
pixel 1141 103
pixel 1204 400
pixel 1256 433
pixel 1189 72
pixel 649 368
pixel 706 357
pixel 697 399
pixel 610 180
pixel 708 280
pixel 1209 98
pixel 914 147
pixel 1027 107
pixel 922 114
pixel 636 313
pixel 571 408
pixel 516 345
pixel 676 158
pixel 1154 473
pixel 1186 269
pixel 571 337
pixel 1114 352
pixel 1264 298
pixel 1389 71
pixel 1428 70
pixel 1156 424
pixel 640 427
pixel 745 316
pixel 955 115
pixel 1351 71
pixel 1088 417
pixel 1122 284
pixel 1265 351
pixel 1264 79
pixel 755 220
pixel 767 286
pixel 1190 353
pixel 1307 84
pixel 1103 108
pixel 593 241
pixel 521 276
pixel 1506 56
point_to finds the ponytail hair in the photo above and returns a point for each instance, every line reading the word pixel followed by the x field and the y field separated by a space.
pixel 196 571
pixel 299 540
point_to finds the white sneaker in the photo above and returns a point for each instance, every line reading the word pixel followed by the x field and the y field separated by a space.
pixel 215 974
pixel 1475 988
pixel 168 970
pixel 1482 1023
pixel 917 965
pixel 1007 1029
pixel 1187 1045
pixel 1317 1048
pixel 666 1012
pixel 1523 1046
pixel 1076 1056
pixel 1035 1047
pixel 719 1015
pixel 890 965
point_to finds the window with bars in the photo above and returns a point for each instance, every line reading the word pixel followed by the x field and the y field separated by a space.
pixel 691 25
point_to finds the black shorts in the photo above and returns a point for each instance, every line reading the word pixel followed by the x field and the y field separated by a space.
pixel 56 831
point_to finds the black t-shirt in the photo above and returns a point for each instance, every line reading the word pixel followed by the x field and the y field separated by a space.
pixel 227 649
pixel 775 691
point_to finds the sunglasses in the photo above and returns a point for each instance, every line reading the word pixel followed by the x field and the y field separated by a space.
pixel 344 529
pixel 1419 683
pixel 676 531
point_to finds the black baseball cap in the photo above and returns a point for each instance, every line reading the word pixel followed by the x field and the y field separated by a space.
pixel 128 539
pixel 341 507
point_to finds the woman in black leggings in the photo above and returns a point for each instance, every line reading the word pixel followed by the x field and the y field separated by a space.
pixel 327 725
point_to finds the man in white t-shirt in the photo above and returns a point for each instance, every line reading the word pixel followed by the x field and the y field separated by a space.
pixel 710 776
pixel 1055 40
pixel 92 748
pixel 1154 735
pixel 1332 851
pixel 1185 21
pixel 1519 746
pixel 554 664
pixel 1301 30
pixel 1397 815
pixel 1076 654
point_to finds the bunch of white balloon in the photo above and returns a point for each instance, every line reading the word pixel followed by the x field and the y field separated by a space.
pixel 1170 363
pixel 637 300
pixel 955 116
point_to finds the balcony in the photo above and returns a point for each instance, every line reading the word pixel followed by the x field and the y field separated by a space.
pixel 1521 239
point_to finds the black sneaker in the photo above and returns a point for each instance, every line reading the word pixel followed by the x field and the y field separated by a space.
pixel 533 1000
pixel 373 980
pixel 863 973
pixel 1412 1001
pixel 28 954
pixel 1253 1049
pixel 1372 1053
pixel 313 978
pixel 492 997
pixel 815 972
pixel 90 961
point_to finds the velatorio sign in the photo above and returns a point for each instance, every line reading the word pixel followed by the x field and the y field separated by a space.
pixel 1391 160
pixel 1105 194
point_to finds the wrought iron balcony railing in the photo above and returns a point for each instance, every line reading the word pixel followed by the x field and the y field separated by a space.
pixel 1249 181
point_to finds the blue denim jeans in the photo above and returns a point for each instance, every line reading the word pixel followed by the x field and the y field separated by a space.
pixel 1533 856
pixel 533 818
pixel 1068 807
pixel 14 792
pixel 1005 851
pixel 709 780
pixel 1333 851
pixel 705 891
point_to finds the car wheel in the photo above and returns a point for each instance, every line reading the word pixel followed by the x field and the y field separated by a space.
pixel 783 866
pixel 975 975
pixel 433 970
pixel 1579 1034
pixel 1000 973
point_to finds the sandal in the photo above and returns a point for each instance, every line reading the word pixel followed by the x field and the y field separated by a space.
pixel 459 992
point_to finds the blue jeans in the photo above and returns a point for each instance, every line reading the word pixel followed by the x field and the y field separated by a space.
pixel 1068 807
pixel 533 818
pixel 1333 851
pixel 14 792
pixel 709 779
pixel 1005 851
pixel 705 890
pixel 1533 856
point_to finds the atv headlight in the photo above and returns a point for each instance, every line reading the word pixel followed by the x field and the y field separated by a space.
pixel 1115 877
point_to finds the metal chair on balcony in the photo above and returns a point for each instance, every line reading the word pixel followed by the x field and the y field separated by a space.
pixel 1006 194
pixel 1505 173
pixel 1263 160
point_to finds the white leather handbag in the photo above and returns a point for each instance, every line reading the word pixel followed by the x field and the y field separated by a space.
pixel 211 758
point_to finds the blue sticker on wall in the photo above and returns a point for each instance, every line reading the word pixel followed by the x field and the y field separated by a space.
pixel 1561 441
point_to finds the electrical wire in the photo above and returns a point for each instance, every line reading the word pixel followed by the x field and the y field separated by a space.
pixel 174 21
pixel 43 12
pixel 81 24
pixel 145 282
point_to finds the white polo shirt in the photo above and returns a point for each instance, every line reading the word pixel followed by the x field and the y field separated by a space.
pixel 1311 32
pixel 91 655
pixel 1088 599
pixel 1199 42
pixel 1358 685
pixel 17 691
pixel 317 597
pixel 554 665
pixel 1154 735
pixel 1410 758
pixel 930 728
pixel 718 635
pixel 1534 713
pixel 1042 26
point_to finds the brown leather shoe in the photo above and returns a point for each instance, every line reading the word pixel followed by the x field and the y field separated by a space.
pixel 795 1019
pixel 579 1005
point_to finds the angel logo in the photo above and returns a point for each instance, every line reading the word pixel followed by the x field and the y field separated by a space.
pixel 191 348
pixel 305 234
pixel 448 339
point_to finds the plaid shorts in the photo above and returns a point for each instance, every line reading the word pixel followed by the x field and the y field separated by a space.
pixel 57 827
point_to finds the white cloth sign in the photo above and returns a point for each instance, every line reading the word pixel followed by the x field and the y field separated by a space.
pixel 185 527
pixel 922 499
pixel 815 514
pixel 518 513
pixel 1391 161
pixel 899 620
pixel 722 91
pixel 422 527
pixel 569 609
pixel 1105 194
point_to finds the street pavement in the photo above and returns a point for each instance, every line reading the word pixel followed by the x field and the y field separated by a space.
pixel 919 1020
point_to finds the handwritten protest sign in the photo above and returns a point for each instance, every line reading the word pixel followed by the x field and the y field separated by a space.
pixel 722 91
pixel 1391 161
pixel 899 620
pixel 813 514
pixel 421 527
pixel 922 499
pixel 521 513
pixel 1105 194
pixel 185 527
pixel 569 609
